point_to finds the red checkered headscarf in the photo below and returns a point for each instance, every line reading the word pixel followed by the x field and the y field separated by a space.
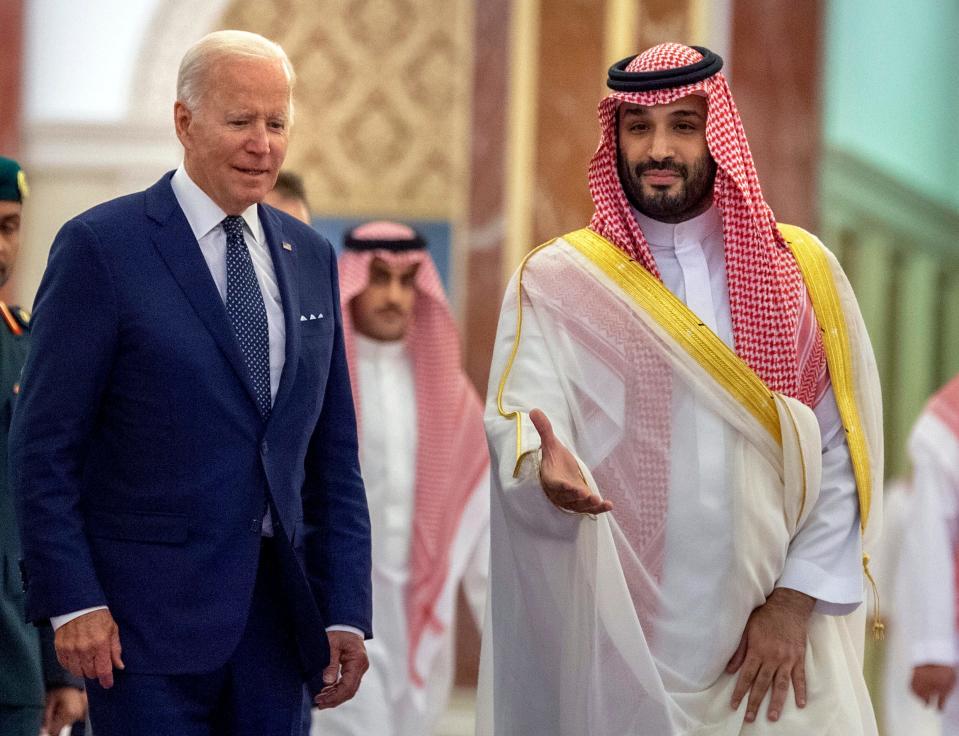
pixel 944 404
pixel 451 454
pixel 774 328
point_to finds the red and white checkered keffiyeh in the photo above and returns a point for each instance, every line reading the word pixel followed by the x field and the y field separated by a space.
pixel 944 405
pixel 774 328
pixel 451 455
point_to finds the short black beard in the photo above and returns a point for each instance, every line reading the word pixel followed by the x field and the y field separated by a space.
pixel 693 199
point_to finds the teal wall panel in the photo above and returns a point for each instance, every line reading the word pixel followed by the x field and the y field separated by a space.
pixel 891 95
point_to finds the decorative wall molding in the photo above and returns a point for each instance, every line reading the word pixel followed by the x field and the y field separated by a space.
pixel 102 146
pixel 864 195
pixel 176 25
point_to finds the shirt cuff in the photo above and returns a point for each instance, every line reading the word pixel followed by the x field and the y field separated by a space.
pixel 347 629
pixel 835 595
pixel 57 621
pixel 934 651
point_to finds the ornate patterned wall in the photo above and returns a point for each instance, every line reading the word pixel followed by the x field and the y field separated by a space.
pixel 383 97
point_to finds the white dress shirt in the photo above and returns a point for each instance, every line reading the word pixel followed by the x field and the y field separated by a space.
pixel 824 558
pixel 205 216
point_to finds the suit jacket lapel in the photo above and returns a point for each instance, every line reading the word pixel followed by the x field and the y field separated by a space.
pixel 287 278
pixel 180 251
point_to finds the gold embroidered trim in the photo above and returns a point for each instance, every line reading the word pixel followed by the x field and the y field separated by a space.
pixel 516 415
pixel 817 275
pixel 682 324
pixel 802 462
pixel 11 321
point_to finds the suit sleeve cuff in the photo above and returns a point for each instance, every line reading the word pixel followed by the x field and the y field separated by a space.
pixel 348 629
pixel 57 621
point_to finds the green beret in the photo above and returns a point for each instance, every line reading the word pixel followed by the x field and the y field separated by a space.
pixel 13 182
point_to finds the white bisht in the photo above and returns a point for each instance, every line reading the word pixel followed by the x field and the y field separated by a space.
pixel 624 623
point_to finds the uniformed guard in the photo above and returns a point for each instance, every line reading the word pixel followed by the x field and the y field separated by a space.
pixel 34 689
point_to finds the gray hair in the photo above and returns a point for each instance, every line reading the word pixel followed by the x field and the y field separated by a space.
pixel 191 82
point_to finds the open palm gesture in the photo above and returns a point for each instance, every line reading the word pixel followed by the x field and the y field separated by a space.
pixel 559 473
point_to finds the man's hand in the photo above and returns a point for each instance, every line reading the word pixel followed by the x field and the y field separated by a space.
pixel 559 473
pixel 64 707
pixel 342 677
pixel 89 646
pixel 933 683
pixel 772 652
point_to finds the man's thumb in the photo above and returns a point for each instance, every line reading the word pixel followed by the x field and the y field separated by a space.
pixel 545 429
pixel 333 668
pixel 738 657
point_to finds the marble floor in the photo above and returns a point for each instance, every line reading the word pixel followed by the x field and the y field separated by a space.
pixel 459 719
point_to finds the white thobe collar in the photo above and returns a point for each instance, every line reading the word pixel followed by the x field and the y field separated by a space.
pixel 369 349
pixel 202 213
pixel 676 235
pixel 691 262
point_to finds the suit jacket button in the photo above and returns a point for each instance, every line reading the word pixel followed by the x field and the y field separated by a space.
pixel 264 448
pixel 256 525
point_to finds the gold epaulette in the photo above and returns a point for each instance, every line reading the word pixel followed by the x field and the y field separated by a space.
pixel 11 319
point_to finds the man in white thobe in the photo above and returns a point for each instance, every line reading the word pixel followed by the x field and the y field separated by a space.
pixel 635 362
pixel 927 568
pixel 424 461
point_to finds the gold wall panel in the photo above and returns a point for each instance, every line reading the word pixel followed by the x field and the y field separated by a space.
pixel 382 101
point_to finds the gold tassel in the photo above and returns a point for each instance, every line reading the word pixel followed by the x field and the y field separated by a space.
pixel 878 627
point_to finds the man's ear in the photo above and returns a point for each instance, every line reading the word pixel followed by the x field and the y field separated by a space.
pixel 182 117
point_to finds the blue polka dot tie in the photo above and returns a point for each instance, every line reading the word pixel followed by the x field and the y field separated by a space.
pixel 244 304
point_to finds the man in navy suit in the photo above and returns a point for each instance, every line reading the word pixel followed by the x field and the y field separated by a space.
pixel 184 450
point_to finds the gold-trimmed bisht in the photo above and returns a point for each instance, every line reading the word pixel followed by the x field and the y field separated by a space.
pixel 516 415
pixel 724 365
pixel 817 275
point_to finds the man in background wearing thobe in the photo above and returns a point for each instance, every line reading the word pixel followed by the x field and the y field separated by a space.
pixel 426 470
pixel 927 567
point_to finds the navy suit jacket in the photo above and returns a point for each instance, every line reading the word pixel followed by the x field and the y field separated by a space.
pixel 140 463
